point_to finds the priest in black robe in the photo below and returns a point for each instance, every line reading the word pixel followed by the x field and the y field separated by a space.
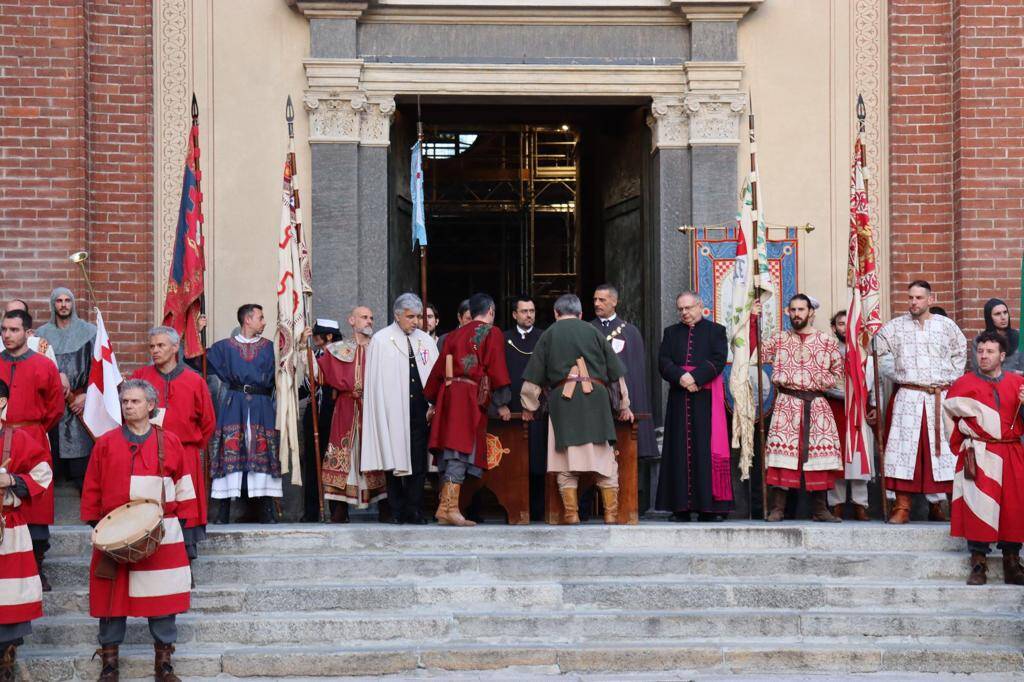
pixel 695 475
pixel 520 340
pixel 629 346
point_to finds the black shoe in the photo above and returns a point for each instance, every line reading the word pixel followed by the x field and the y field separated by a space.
pixel 267 512
pixel 710 517
pixel 223 512
pixel 416 520
pixel 680 517
pixel 395 521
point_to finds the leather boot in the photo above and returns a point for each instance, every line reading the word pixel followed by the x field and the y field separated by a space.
pixel 267 512
pixel 860 513
pixel 108 661
pixel 979 566
pixel 935 512
pixel 339 512
pixel 610 502
pixel 40 553
pixel 223 512
pixel 163 671
pixel 837 511
pixel 900 509
pixel 7 663
pixel 1013 572
pixel 570 506
pixel 819 508
pixel 777 504
pixel 448 513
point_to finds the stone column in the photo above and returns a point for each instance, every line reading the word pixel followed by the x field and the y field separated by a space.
pixel 375 136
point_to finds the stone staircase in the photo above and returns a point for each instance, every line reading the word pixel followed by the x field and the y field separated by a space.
pixel 740 598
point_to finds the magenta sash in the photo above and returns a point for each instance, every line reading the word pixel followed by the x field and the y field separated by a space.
pixel 721 477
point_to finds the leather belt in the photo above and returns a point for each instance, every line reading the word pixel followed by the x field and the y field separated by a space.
pixel 937 392
pixel 996 441
pixel 807 397
pixel 249 389
pixel 578 380
pixel 24 424
pixel 464 380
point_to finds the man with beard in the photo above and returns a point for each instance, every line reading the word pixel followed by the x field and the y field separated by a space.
pixel 35 343
pixel 71 339
pixel 929 353
pixel 985 408
pixel 803 448
pixel 325 332
pixel 997 319
pixel 395 427
pixel 342 369
pixel 184 408
pixel 695 472
pixel 244 461
pixel 520 340
pixel 627 343
pixel 854 473
pixel 35 406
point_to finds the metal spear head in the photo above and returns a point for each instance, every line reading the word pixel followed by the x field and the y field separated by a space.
pixel 289 115
pixel 195 107
pixel 78 257
pixel 862 112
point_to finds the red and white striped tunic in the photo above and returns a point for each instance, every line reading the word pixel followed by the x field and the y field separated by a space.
pixel 21 594
pixel 121 470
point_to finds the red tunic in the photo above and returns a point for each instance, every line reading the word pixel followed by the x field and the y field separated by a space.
pixel 35 406
pixel 119 471
pixel 188 415
pixel 990 507
pixel 21 593
pixel 460 424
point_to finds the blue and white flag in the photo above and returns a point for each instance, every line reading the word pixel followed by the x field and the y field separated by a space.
pixel 419 222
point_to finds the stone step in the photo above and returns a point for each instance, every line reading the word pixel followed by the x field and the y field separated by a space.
pixel 728 657
pixel 284 539
pixel 330 565
pixel 432 625
pixel 695 593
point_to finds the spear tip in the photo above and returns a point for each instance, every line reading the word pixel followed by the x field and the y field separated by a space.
pixel 195 106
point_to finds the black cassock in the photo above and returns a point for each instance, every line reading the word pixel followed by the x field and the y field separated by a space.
pixel 685 480
pixel 629 346
pixel 517 353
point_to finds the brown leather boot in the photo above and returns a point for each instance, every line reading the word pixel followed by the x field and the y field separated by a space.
pixel 610 502
pixel 108 661
pixel 900 509
pixel 448 513
pixel 40 553
pixel 860 513
pixel 7 663
pixel 570 506
pixel 979 566
pixel 339 512
pixel 777 504
pixel 163 671
pixel 819 508
pixel 1013 572
pixel 837 511
pixel 936 513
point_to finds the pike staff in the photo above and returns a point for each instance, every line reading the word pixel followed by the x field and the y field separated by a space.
pixel 307 294
pixel 757 316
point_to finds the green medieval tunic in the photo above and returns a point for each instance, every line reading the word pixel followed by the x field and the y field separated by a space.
pixel 583 424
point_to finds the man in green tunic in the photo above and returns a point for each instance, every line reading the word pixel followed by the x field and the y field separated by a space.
pixel 585 377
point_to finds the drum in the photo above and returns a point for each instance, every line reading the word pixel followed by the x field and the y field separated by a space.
pixel 131 532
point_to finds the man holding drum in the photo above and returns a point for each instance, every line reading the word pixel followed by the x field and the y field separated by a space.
pixel 25 475
pixel 145 465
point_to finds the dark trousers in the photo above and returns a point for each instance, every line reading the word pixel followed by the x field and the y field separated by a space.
pixel 112 630
pixel 985 547
pixel 405 493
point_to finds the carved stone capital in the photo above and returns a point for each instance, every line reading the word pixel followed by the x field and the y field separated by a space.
pixel 668 123
pixel 715 117
pixel 334 116
pixel 376 122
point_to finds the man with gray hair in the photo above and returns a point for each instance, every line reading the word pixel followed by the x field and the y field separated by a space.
pixel 185 409
pixel 395 420
pixel 586 378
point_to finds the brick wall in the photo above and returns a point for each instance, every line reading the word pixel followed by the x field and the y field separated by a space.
pixel 76 158
pixel 957 158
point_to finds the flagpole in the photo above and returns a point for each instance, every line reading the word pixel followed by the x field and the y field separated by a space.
pixel 202 297
pixel 423 247
pixel 862 114
pixel 757 318
pixel 314 407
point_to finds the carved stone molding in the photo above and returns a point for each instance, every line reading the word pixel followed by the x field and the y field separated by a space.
pixel 713 76
pixel 376 122
pixel 869 66
pixel 668 123
pixel 334 116
pixel 715 117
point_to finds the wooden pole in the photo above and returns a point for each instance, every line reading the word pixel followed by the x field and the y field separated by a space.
pixel 202 297
pixel 423 247
pixel 757 319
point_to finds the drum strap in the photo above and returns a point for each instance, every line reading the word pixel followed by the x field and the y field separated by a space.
pixel 160 467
